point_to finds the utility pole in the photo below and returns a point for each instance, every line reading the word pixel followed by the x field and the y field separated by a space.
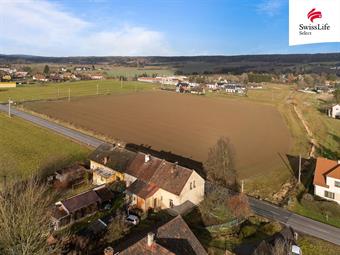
pixel 9 107
pixel 242 186
pixel 300 168
pixel 69 94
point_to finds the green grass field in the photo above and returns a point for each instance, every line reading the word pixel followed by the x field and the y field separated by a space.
pixel 132 71
pixel 313 246
pixel 26 150
pixel 78 88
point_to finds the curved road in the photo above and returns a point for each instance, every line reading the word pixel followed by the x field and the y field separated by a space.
pixel 298 223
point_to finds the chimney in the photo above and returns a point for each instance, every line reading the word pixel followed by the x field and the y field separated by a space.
pixel 108 251
pixel 147 158
pixel 151 238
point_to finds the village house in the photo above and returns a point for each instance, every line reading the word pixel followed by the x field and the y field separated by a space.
pixel 82 205
pixel 174 237
pixel 334 111
pixel 327 179
pixel 40 77
pixel 234 88
pixel 151 182
pixel 97 77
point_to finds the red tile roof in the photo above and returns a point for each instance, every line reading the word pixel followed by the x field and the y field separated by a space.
pixel 165 175
pixel 142 189
pixel 141 169
pixel 325 167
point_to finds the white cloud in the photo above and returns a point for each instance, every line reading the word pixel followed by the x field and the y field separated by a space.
pixel 271 7
pixel 44 28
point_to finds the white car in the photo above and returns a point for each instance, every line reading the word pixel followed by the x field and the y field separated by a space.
pixel 296 250
pixel 132 219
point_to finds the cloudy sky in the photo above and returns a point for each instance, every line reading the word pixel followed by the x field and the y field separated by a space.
pixel 152 27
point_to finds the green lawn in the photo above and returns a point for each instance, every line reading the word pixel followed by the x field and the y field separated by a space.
pixel 323 211
pixel 78 88
pixel 313 246
pixel 26 149
pixel 325 130
pixel 132 71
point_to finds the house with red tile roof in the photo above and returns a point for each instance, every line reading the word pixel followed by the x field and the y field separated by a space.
pixel 327 179
pixel 151 182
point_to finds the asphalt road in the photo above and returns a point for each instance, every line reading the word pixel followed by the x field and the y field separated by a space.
pixel 70 133
pixel 298 223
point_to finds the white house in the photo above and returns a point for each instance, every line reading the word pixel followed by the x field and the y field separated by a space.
pixel 327 179
pixel 334 111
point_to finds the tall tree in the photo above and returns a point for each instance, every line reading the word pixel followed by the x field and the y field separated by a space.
pixel 46 69
pixel 220 164
pixel 24 219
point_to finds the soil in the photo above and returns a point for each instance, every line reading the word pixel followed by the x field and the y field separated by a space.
pixel 186 125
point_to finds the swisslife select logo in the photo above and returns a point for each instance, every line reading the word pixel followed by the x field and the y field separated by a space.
pixel 314 21
pixel 313 14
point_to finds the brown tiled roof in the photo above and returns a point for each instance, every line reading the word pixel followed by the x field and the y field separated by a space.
pixel 142 189
pixel 141 169
pixel 325 167
pixel 58 213
pixel 174 237
pixel 80 201
pixel 117 157
pixel 171 177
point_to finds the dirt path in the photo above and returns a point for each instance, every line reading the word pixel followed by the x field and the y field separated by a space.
pixel 311 138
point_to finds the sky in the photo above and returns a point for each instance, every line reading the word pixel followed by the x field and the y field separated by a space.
pixel 148 28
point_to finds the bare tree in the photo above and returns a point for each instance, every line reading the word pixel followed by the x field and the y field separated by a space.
pixel 220 164
pixel 239 206
pixel 24 219
pixel 280 247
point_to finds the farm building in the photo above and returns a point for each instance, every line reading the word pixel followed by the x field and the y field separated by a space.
pixel 80 206
pixel 334 111
pixel 151 182
pixel 235 88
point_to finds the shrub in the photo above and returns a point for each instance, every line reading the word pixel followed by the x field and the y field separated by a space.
pixel 247 231
pixel 271 228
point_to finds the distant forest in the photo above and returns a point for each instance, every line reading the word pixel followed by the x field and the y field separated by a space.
pixel 278 63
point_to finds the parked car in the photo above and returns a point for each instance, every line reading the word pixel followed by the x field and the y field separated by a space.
pixel 132 219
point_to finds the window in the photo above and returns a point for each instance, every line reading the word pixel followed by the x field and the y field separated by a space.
pixel 190 185
pixel 329 194
pixel 337 184
pixel 171 203
pixel 194 184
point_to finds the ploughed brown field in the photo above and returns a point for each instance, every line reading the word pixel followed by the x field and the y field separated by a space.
pixel 187 125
